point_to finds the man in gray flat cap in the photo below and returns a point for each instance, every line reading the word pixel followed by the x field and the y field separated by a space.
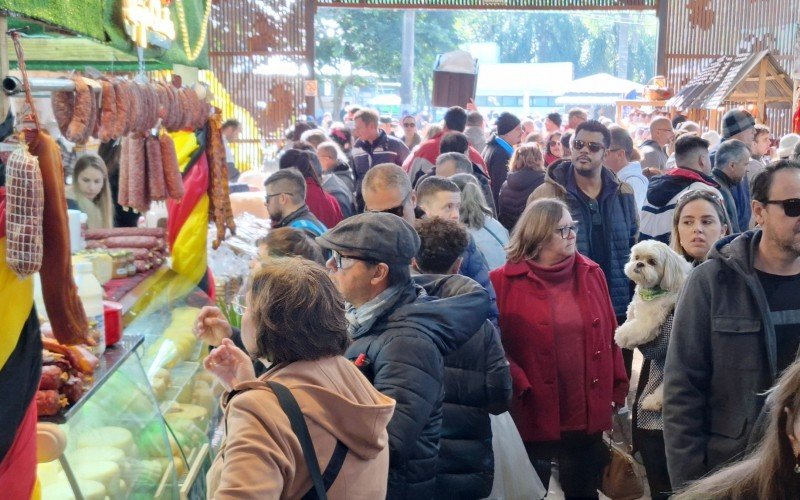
pixel 401 330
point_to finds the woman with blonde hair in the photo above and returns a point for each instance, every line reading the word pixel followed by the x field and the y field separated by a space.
pixel 90 192
pixel 525 173
pixel 557 325
pixel 490 236
pixel 772 469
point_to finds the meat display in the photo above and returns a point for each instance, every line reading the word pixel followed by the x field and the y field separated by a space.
pixel 24 208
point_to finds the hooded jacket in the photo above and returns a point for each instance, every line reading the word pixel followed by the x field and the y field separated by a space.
pixel 261 456
pixel 721 358
pixel 496 159
pixel 663 193
pixel 345 173
pixel 402 354
pixel 322 204
pixel 620 223
pixel 385 149
pixel 334 186
pixel 303 219
pixel 476 382
pixel 514 195
pixel 424 157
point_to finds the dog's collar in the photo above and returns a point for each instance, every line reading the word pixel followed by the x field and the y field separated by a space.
pixel 648 294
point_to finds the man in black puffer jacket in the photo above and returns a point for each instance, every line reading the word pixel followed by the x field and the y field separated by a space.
pixel 477 380
pixel 400 336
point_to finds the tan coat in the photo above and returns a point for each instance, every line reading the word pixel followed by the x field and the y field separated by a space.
pixel 261 457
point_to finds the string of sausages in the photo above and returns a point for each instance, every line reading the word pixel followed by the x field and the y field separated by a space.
pixel 220 209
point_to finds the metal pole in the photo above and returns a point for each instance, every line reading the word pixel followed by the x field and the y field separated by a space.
pixel 407 60
pixel 663 26
pixel 13 85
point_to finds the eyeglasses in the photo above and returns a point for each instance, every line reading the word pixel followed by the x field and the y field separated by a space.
pixel 791 207
pixel 594 147
pixel 409 125
pixel 339 258
pixel 398 210
pixel 277 194
pixel 554 143
pixel 564 230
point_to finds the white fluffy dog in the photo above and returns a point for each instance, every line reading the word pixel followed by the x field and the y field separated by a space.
pixel 659 274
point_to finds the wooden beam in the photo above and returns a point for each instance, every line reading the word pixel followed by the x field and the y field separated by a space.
pixel 762 90
pixel 662 12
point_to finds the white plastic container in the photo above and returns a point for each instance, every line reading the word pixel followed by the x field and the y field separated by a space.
pixel 76 233
pixel 91 295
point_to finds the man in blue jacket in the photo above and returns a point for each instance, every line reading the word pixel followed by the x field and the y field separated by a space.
pixel 401 333
pixel 604 208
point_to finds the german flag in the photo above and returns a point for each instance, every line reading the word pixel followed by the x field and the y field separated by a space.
pixel 20 370
pixel 187 222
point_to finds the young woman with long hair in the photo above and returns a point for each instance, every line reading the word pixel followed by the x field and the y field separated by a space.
pixel 90 192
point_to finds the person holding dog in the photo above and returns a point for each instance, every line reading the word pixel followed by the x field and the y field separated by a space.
pixel 659 274
pixel 557 325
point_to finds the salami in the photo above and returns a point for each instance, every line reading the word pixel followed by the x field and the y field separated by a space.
pixel 51 378
pixel 82 111
pixel 122 101
pixel 49 403
pixel 137 174
pixel 155 169
pixel 99 234
pixel 93 127
pixel 24 209
pixel 63 105
pixel 58 287
pixel 172 174
pixel 133 242
pixel 135 123
pixel 108 112
pixel 123 197
pixel 219 194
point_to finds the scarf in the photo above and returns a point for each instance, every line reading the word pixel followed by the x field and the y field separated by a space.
pixel 362 318
pixel 506 146
pixel 648 294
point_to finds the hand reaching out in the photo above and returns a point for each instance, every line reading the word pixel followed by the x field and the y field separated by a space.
pixel 230 364
pixel 211 326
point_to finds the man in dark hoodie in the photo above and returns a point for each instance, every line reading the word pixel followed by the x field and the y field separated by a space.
pixel 604 207
pixel 736 328
pixel 401 333
pixel 477 380
pixel 693 171
pixel 500 148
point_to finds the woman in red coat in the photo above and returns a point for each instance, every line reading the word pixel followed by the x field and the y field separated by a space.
pixel 323 205
pixel 557 326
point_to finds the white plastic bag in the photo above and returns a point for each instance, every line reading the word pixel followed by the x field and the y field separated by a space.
pixel 514 476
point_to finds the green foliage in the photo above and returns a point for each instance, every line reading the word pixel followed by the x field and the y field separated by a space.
pixel 81 16
pixel 370 40
pixel 233 318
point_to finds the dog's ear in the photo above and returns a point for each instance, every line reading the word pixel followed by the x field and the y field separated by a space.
pixel 675 270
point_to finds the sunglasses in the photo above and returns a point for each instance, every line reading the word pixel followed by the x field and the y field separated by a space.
pixel 398 210
pixel 594 147
pixel 791 207
pixel 409 125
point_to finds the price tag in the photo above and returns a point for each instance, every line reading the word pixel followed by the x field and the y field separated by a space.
pixel 310 87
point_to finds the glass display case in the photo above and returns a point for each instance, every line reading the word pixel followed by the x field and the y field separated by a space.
pixel 142 430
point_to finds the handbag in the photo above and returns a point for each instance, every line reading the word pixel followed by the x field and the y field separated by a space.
pixel 621 479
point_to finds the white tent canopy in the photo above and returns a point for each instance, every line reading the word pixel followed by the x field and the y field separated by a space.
pixel 599 89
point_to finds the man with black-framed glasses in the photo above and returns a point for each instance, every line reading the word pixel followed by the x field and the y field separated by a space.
pixel 286 202
pixel 604 207
pixel 736 328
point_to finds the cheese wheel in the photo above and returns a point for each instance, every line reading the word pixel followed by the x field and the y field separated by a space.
pixel 197 414
pixel 91 490
pixel 98 454
pixel 115 437
pixel 105 473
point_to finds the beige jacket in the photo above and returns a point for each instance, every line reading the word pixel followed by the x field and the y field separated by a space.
pixel 261 457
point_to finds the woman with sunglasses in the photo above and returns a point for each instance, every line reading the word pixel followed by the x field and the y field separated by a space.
pixel 411 137
pixel 553 150
pixel 295 322
pixel 557 325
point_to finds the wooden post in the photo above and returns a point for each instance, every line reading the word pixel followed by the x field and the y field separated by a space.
pixel 311 8
pixel 662 13
pixel 761 105
pixel 4 66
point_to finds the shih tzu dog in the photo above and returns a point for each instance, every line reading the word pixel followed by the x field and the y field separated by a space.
pixel 659 274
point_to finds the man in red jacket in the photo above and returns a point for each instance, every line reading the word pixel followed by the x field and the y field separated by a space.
pixel 424 157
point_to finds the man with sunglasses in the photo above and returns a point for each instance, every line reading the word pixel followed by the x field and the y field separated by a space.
pixel 736 328
pixel 401 329
pixel 604 207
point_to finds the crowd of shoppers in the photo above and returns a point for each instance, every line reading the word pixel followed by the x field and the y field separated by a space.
pixel 469 273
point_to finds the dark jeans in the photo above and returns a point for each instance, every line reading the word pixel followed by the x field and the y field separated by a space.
pixel 650 444
pixel 627 354
pixel 581 458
